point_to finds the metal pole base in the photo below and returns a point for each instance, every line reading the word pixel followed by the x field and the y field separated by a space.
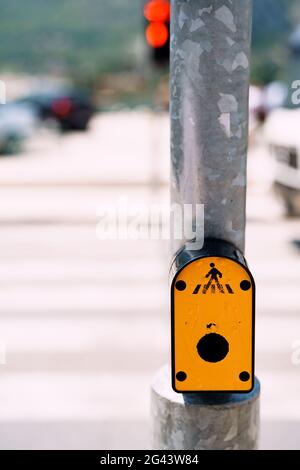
pixel 211 421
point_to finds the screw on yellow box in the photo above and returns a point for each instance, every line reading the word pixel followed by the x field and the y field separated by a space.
pixel 213 316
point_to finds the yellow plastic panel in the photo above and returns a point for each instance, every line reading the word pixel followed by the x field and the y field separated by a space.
pixel 213 327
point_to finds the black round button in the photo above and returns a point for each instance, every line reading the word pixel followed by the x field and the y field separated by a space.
pixel 180 285
pixel 244 376
pixel 181 376
pixel 245 285
pixel 213 348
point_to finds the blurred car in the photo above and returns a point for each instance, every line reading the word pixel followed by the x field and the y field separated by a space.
pixel 17 121
pixel 283 137
pixel 70 109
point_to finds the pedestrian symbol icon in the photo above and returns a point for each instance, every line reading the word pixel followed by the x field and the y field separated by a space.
pixel 214 274
pixel 213 285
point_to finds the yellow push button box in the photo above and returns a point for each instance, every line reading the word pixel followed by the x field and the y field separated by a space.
pixel 213 300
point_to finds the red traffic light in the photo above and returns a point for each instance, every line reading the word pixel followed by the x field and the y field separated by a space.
pixel 157 29
pixel 157 11
pixel 157 34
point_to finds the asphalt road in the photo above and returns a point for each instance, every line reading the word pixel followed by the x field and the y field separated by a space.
pixel 85 321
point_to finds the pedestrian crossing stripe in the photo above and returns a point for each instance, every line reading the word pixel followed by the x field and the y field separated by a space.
pixel 212 289
pixel 197 289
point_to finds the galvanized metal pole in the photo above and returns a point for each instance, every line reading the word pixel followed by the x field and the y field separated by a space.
pixel 210 51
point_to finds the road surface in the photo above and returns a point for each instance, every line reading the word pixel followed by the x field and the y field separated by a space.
pixel 85 321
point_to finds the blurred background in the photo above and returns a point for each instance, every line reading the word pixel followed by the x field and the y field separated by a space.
pixel 83 321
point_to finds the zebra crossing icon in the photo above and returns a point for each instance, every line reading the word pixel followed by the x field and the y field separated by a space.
pixel 213 285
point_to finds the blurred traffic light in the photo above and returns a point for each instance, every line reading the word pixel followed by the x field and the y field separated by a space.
pixel 157 31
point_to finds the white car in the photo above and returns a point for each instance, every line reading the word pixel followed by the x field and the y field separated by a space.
pixel 282 131
pixel 17 122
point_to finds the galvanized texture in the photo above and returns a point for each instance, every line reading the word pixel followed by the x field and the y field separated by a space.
pixel 222 422
pixel 210 50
